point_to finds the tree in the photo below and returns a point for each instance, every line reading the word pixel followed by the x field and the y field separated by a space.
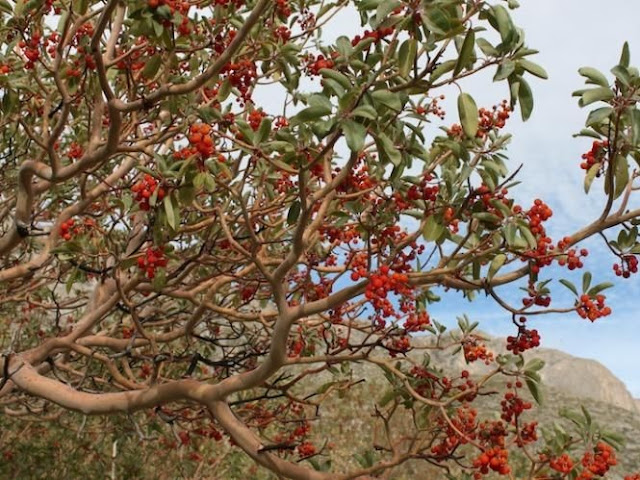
pixel 169 246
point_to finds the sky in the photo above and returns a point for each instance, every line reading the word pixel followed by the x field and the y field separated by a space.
pixel 569 34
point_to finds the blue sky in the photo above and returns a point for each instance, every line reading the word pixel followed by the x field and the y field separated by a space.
pixel 569 34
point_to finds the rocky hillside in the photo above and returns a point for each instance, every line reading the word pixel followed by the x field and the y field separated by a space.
pixel 569 383
pixel 571 376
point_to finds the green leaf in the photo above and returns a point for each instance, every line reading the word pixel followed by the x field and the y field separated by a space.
pixel 263 132
pixel 169 212
pixel 224 91
pixel 441 69
pixel 590 176
pixel 528 236
pixel 635 127
pixel 384 10
pixel 468 111
pixel 10 101
pixel 496 264
pixel 594 76
pixel 355 134
pixel 466 52
pixel 152 66
pixel 534 388
pixel 570 286
pixel 586 281
pixel 602 94
pixel 487 217
pixel 341 78
pixel 533 68
pixel 625 57
pixel 365 111
pixel 599 288
pixel 388 99
pixel 344 47
pixel 502 21
pixel 443 21
pixel 505 69
pixel 294 213
pixel 158 29
pixel 387 397
pixel 621 176
pixel 407 56
pixel 526 99
pixel 432 230
pixel 587 132
pixel 623 75
pixel 534 365
pixel 311 113
pixel 597 116
pixel 488 49
pixel 510 231
pixel 389 149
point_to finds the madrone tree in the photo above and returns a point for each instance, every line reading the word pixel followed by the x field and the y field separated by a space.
pixel 170 246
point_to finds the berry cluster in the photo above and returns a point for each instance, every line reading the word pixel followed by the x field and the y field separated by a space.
pixel 306 449
pixel 380 284
pixel 465 423
pixel 152 259
pixel 474 349
pixel 75 151
pixel 587 308
pixel 399 345
pixel 525 340
pixel 242 75
pixel 527 434
pixel 200 139
pixel 573 259
pixel 433 108
pixel 417 322
pixel 488 120
pixel 70 228
pixel 135 58
pixel 182 8
pixel 424 191
pixel 535 298
pixel 513 406
pixel 492 433
pixel 84 60
pixel 314 65
pixel 628 265
pixel 537 214
pixel 255 118
pixel 496 459
pixel 598 462
pixel 282 8
pixel 282 33
pixel 31 50
pixel 210 432
pixel 596 155
pixel 144 189
pixel 376 35
pixel 494 118
pixel 562 464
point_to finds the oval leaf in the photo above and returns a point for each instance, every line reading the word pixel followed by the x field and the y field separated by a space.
pixel 468 111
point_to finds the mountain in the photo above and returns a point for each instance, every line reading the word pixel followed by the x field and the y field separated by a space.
pixel 571 376
pixel 568 383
